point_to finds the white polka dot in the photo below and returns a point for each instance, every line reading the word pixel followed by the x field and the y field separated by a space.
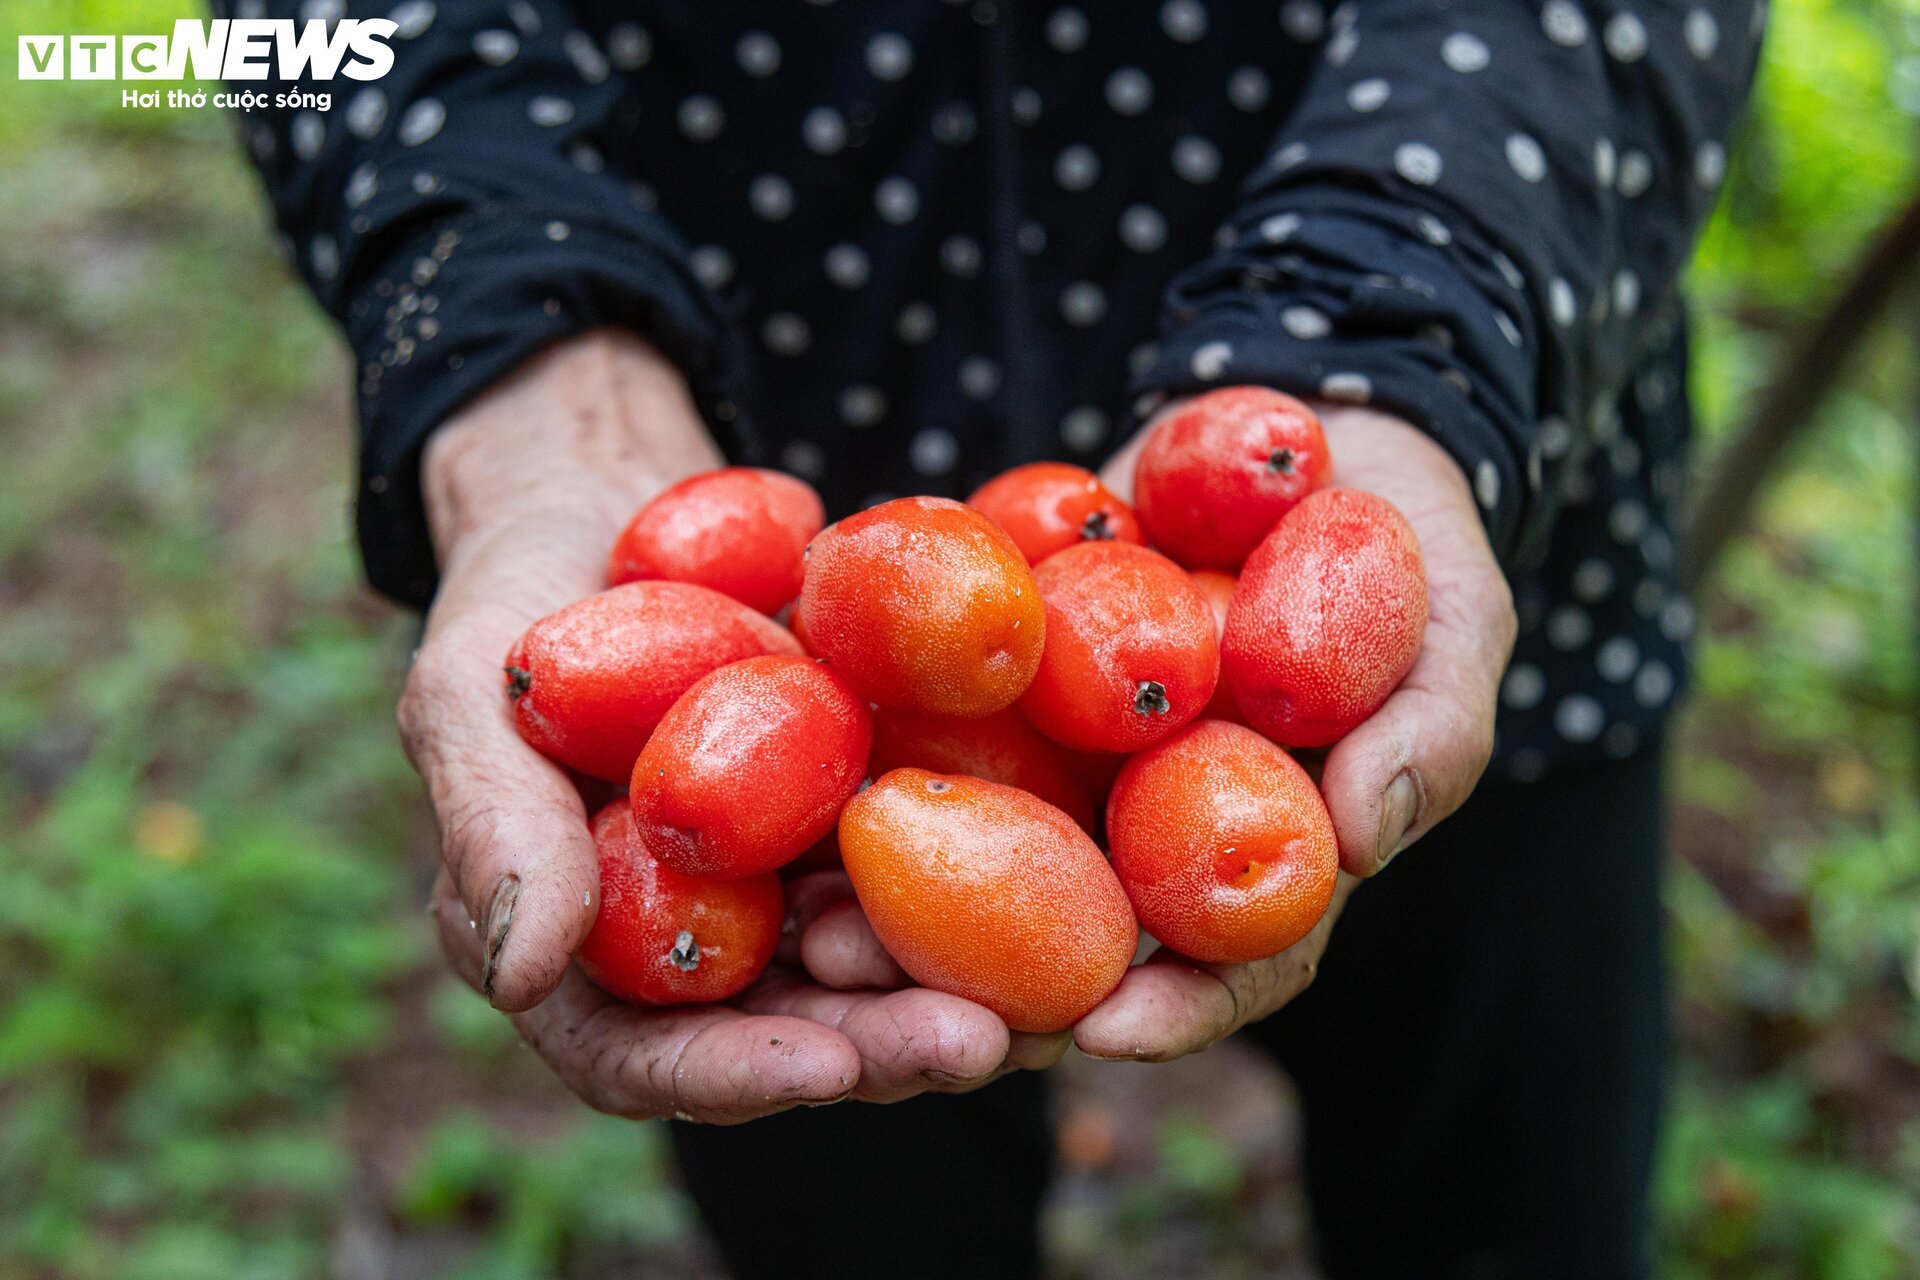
pixel 1067 30
pixel 1183 20
pixel 411 18
pixel 916 324
pixel 1626 293
pixel 979 378
pixel 1432 230
pixel 1486 484
pixel 1509 272
pixel 586 157
pixel 1248 89
pixel 1703 34
pixel 586 57
pixel 771 196
pixel 1758 22
pixel 960 255
pixel 1129 91
pixel 1561 302
pixel 629 45
pixel 1288 157
pixel 1341 48
pixel 1465 52
pixel 786 332
pixel 933 451
pixel 1569 627
pixel 1303 20
pixel 1346 388
pixel 1627 521
pixel 1636 174
pixel 557 231
pixel 953 124
pixel 1279 228
pixel 1564 24
pixel 1196 159
pixel 525 17
pixel 549 112
pixel 1625 37
pixel 495 46
pixel 847 265
pixel 1526 158
pixel 1523 686
pixel 1142 358
pixel 1592 579
pixel 758 54
pixel 323 10
pixel 701 117
pixel 1083 428
pixel 309 131
pixel 324 254
pixel 1083 303
pixel 1211 360
pixel 366 112
pixel 1305 323
pixel 1604 162
pixel 1653 687
pixel 889 56
pixel 1076 167
pixel 1368 95
pixel 1026 106
pixel 862 405
pixel 1579 718
pixel 712 266
pixel 1616 659
pixel 824 130
pixel 1677 619
pixel 362 186
pixel 418 123
pixel 896 200
pixel 1418 163
pixel 1556 437
pixel 805 459
pixel 1143 228
pixel 1710 164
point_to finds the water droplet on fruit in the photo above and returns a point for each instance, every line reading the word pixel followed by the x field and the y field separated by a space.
pixel 1280 462
pixel 685 955
pixel 1151 699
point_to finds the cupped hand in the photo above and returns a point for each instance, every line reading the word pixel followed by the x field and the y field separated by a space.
pixel 525 490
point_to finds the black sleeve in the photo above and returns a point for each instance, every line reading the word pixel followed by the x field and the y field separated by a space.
pixel 1475 219
pixel 462 212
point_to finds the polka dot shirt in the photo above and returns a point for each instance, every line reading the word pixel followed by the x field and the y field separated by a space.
pixel 897 247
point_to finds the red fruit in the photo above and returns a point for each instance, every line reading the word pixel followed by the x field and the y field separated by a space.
pixel 1222 843
pixel 926 605
pixel 1131 654
pixel 1327 619
pixel 1048 506
pixel 750 767
pixel 665 938
pixel 590 681
pixel 988 893
pixel 1215 476
pixel 1218 589
pixel 1001 748
pixel 741 531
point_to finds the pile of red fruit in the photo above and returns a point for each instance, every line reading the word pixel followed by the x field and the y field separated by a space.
pixel 965 697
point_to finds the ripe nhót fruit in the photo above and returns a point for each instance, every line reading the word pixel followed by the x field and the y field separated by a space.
pixel 750 767
pixel 740 530
pixel 1218 588
pixel 985 892
pixel 1049 506
pixel 1001 748
pixel 1131 654
pixel 1223 844
pixel 665 938
pixel 590 681
pixel 926 605
pixel 1327 619
pixel 1220 471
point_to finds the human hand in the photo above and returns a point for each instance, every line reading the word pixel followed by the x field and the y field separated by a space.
pixel 525 490
pixel 1389 781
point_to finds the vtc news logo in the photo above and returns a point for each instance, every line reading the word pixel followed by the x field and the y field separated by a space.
pixel 219 49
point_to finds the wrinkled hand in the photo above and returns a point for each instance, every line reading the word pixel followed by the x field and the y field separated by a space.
pixel 525 491
pixel 1389 781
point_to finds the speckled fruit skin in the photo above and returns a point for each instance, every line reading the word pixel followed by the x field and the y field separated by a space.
pixel 926 605
pixel 1327 619
pixel 1218 588
pixel 988 893
pixel 1217 474
pixel 589 682
pixel 1131 653
pixel 1049 506
pixel 1223 844
pixel 741 531
pixel 1001 748
pixel 665 938
pixel 750 767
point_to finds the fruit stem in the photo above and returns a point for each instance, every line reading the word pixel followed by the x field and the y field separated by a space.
pixel 1151 699
pixel 1097 527
pixel 1280 462
pixel 685 955
pixel 519 682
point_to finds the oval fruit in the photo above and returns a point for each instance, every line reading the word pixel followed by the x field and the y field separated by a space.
pixel 988 893
pixel 1223 844
pixel 750 767
pixel 1218 588
pixel 926 605
pixel 665 938
pixel 1049 506
pixel 1220 471
pixel 1327 619
pixel 1131 654
pixel 589 682
pixel 741 531
pixel 1001 748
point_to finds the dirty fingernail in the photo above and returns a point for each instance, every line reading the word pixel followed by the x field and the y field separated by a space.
pixel 1398 810
pixel 499 919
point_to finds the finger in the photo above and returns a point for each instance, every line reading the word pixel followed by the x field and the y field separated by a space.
pixel 840 950
pixel 909 1041
pixel 700 1062
pixel 1037 1050
pixel 807 897
pixel 513 828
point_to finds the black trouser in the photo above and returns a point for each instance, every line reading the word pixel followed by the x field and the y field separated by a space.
pixel 1479 1064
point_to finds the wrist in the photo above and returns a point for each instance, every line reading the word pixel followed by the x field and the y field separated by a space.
pixel 589 429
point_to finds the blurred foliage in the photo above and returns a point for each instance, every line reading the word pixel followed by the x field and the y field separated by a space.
pixel 225 1050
